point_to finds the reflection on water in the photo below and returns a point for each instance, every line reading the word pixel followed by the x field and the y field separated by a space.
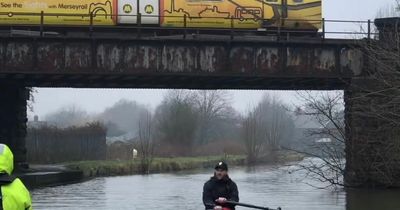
pixel 379 199
pixel 86 195
pixel 262 185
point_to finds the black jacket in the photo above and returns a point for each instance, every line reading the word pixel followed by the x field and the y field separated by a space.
pixel 214 188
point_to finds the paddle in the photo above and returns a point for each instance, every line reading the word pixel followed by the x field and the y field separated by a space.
pixel 250 206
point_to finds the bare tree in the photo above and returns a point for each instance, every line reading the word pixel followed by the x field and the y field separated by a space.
pixel 176 120
pixel 374 98
pixel 124 116
pixel 276 121
pixel 251 135
pixel 31 101
pixel 328 162
pixel 214 106
pixel 390 10
pixel 375 102
pixel 384 56
pixel 265 127
pixel 146 142
pixel 68 116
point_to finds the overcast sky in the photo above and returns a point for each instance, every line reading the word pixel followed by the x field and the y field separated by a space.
pixel 95 100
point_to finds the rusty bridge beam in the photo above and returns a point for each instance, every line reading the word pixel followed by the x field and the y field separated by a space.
pixel 127 62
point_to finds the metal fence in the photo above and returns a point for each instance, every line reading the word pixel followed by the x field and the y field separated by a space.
pixel 53 145
pixel 325 28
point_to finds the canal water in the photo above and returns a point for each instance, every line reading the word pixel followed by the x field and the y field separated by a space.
pixel 263 185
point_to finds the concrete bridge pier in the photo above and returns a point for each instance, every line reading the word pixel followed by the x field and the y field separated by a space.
pixel 13 118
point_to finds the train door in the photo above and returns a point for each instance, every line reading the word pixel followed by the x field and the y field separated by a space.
pixel 149 9
pixel 127 11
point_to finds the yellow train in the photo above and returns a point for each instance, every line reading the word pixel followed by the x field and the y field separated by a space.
pixel 292 14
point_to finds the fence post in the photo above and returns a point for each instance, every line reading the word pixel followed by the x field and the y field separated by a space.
pixel 323 28
pixel 279 29
pixel 184 25
pixel 139 23
pixel 369 29
pixel 232 27
pixel 91 25
pixel 41 23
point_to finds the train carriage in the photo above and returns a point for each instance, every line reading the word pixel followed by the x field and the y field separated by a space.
pixel 247 14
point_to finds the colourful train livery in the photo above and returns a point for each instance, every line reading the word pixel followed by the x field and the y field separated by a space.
pixel 292 14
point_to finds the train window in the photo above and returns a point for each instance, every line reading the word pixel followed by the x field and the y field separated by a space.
pixel 298 1
pixel 271 0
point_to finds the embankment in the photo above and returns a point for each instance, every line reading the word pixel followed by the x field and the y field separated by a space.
pixel 159 165
pixel 165 165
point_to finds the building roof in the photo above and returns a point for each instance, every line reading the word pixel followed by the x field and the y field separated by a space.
pixel 306 122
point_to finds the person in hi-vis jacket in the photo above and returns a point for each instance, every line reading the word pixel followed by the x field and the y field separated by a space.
pixel 14 195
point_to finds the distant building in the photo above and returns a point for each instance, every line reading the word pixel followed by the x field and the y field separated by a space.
pixel 36 123
pixel 125 138
pixel 310 135
pixel 304 124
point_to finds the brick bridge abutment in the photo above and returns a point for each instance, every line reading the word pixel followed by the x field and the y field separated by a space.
pixel 372 113
pixel 13 119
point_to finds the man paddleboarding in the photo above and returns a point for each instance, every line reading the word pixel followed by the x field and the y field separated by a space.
pixel 220 189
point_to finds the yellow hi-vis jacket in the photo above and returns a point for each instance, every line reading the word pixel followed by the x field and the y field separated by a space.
pixel 14 195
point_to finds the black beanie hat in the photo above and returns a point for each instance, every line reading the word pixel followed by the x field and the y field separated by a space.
pixel 221 165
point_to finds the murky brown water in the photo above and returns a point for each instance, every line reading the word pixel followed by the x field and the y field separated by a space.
pixel 266 186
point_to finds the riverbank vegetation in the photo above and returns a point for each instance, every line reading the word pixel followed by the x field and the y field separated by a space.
pixel 158 165
pixel 198 123
pixel 188 124
pixel 165 165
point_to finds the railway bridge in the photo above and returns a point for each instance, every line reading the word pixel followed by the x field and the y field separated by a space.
pixel 194 60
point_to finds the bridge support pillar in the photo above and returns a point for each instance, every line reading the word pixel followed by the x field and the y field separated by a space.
pixel 373 139
pixel 373 113
pixel 13 118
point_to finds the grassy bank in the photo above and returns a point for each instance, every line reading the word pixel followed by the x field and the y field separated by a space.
pixel 164 165
pixel 159 165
